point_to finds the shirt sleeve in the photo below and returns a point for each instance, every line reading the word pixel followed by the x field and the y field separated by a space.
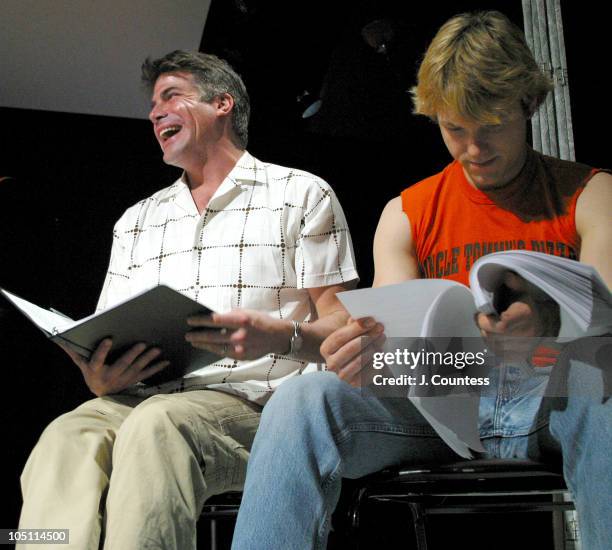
pixel 324 254
pixel 116 284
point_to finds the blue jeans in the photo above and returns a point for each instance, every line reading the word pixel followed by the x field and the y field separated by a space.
pixel 508 407
pixel 316 430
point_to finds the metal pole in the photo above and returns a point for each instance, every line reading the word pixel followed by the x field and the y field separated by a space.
pixel 536 129
pixel 559 63
pixel 551 146
pixel 552 124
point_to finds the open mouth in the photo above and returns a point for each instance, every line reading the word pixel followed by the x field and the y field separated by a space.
pixel 168 132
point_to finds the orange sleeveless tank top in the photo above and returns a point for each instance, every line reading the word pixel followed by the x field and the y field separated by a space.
pixel 453 224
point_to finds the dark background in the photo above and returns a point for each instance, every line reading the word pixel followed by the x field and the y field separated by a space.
pixel 74 175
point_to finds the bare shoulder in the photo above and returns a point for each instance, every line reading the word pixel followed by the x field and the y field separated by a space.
pixel 393 224
pixel 594 224
pixel 600 183
pixel 394 205
pixel 595 200
pixel 394 255
pixel 393 213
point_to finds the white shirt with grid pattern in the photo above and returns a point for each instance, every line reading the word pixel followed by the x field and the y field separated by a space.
pixel 268 234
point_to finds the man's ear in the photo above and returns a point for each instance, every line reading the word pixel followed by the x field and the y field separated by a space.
pixel 224 104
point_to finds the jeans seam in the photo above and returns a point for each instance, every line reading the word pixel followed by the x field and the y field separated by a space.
pixel 424 431
pixel 323 529
pixel 497 417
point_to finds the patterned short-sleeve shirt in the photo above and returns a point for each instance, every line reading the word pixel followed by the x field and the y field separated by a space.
pixel 268 234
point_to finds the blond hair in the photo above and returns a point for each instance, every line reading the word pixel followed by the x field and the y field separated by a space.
pixel 479 66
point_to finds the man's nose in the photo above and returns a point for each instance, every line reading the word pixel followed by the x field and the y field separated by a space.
pixel 476 145
pixel 156 114
pixel 474 149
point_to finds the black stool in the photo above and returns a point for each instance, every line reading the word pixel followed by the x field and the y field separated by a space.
pixel 474 486
pixel 223 506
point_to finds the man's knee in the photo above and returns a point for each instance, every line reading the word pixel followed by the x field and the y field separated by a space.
pixel 594 420
pixel 311 387
pixel 66 427
pixel 586 415
pixel 76 428
pixel 305 396
pixel 80 436
pixel 165 437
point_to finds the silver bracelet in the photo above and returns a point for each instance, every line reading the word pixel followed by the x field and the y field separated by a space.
pixel 297 340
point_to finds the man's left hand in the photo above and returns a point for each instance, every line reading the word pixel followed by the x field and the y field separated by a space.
pixel 239 334
pixel 529 315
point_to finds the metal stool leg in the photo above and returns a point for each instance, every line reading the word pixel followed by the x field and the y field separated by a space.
pixel 354 518
pixel 571 527
pixel 558 518
pixel 213 530
pixel 418 518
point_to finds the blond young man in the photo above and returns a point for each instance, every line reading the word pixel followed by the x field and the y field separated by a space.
pixel 480 83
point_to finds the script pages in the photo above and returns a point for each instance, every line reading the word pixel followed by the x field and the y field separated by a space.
pixel 156 317
pixel 584 299
pixel 433 308
pixel 437 308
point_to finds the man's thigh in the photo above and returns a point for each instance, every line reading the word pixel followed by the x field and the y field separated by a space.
pixel 102 416
pixel 229 414
pixel 347 427
pixel 215 427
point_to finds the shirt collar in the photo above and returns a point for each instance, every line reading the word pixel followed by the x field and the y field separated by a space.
pixel 246 173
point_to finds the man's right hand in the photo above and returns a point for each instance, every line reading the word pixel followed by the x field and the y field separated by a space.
pixel 133 366
pixel 349 349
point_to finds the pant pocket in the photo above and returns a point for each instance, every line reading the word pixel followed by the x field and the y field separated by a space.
pixel 239 434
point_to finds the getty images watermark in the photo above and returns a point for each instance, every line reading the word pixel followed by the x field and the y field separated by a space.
pixel 427 367
pixel 431 367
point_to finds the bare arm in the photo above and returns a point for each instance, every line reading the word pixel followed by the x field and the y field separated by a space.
pixel 394 254
pixel 332 316
pixel 252 334
pixel 594 224
pixel 346 351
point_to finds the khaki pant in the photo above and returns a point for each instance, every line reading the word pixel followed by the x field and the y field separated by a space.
pixel 167 454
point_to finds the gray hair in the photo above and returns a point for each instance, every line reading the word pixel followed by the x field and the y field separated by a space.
pixel 213 76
